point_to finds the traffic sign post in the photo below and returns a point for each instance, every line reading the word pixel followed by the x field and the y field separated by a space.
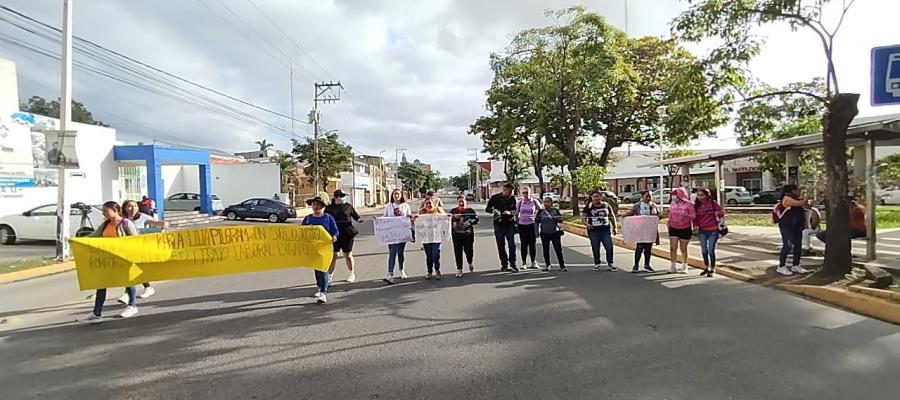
pixel 886 75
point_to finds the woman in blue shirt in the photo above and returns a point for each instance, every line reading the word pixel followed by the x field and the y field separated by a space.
pixel 318 217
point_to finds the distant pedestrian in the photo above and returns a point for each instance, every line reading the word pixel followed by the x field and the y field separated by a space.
pixel 789 215
pixel 463 219
pixel 681 219
pixel 113 226
pixel 547 227
pixel 319 217
pixel 645 206
pixel 398 207
pixel 432 250
pixel 813 226
pixel 709 218
pixel 526 208
pixel 600 220
pixel 144 224
pixel 344 214
pixel 857 222
pixel 503 207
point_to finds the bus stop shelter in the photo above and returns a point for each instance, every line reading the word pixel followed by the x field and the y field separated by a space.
pixel 863 136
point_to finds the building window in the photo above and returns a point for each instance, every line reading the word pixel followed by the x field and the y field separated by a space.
pixel 753 185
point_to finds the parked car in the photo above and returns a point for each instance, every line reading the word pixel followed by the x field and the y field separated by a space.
pixel 737 195
pixel 272 210
pixel 666 196
pixel 553 196
pixel 889 196
pixel 39 223
pixel 766 197
pixel 632 197
pixel 191 202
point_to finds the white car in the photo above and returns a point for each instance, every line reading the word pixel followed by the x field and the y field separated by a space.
pixel 40 223
pixel 191 202
pixel 553 196
pixel 889 197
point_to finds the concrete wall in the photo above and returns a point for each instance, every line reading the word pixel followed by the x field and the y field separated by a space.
pixel 233 183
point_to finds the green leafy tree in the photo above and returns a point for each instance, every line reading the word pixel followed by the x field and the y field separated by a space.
pixel 590 177
pixel 264 145
pixel 412 176
pixel 38 105
pixel 889 170
pixel 333 158
pixel 732 24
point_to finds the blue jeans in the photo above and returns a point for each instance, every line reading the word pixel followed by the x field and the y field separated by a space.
pixel 791 241
pixel 433 257
pixel 708 240
pixel 100 298
pixel 395 253
pixel 601 236
pixel 323 279
pixel 505 234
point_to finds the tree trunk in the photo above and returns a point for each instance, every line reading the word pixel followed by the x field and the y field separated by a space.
pixel 607 149
pixel 841 111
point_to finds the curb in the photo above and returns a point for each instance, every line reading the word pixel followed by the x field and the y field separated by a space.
pixel 857 302
pixel 37 272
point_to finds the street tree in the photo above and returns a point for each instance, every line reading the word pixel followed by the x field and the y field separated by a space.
pixel 412 176
pixel 889 170
pixel 264 145
pixel 731 24
pixel 590 177
pixel 333 158
pixel 38 105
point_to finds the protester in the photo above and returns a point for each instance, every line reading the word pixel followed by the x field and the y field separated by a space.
pixel 644 207
pixel 788 214
pixel 681 218
pixel 144 224
pixel 319 217
pixel 437 200
pixel 709 215
pixel 147 206
pixel 857 221
pixel 398 207
pixel 463 220
pixel 547 227
pixel 432 250
pixel 503 206
pixel 600 220
pixel 813 226
pixel 526 208
pixel 113 226
pixel 344 214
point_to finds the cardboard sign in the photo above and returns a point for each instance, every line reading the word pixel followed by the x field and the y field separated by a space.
pixel 432 228
pixel 640 228
pixel 392 230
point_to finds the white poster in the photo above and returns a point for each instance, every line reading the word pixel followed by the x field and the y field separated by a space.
pixel 16 161
pixel 432 228
pixel 391 230
pixel 640 228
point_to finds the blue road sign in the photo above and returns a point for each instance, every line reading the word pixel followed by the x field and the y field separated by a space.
pixel 886 75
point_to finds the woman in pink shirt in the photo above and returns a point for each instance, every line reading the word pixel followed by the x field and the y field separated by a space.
pixel 709 214
pixel 681 216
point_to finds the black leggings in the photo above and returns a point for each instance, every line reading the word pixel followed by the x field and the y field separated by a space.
pixel 645 249
pixel 528 238
pixel 463 243
pixel 546 241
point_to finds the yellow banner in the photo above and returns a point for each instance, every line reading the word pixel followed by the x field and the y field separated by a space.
pixel 192 253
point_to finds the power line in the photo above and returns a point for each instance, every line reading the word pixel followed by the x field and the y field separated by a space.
pixel 288 37
pixel 227 22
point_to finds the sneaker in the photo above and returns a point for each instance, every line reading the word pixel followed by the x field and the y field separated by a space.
pixel 429 276
pixel 91 319
pixel 322 299
pixel 351 278
pixel 471 268
pixel 563 269
pixel 710 273
pixel 403 274
pixel 123 299
pixel 647 268
pixel 129 311
pixel 546 268
pixel 459 273
pixel 635 269
pixel 612 268
pixel 784 271
pixel 437 275
pixel 799 270
pixel 685 269
pixel 150 291
pixel 514 269
pixel 534 265
pixel 318 294
pixel 389 280
pixel 596 268
pixel 704 272
pixel 672 269
pixel 504 269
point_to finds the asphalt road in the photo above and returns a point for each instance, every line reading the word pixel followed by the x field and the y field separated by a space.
pixel 490 335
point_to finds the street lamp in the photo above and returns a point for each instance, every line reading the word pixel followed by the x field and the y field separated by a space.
pixel 673 169
pixel 662 111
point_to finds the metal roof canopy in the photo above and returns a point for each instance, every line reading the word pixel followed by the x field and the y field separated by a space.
pixel 883 130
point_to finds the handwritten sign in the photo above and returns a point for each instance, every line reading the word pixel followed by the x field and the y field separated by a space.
pixel 126 261
pixel 640 228
pixel 432 228
pixel 392 230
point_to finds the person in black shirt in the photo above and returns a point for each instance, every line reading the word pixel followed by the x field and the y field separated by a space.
pixel 463 234
pixel 344 214
pixel 503 207
pixel 600 220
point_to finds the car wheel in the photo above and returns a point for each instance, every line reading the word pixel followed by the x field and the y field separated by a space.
pixel 731 202
pixel 7 236
pixel 882 202
pixel 231 216
pixel 273 218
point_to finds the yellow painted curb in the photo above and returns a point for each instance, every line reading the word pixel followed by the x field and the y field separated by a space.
pixel 879 293
pixel 37 272
pixel 856 302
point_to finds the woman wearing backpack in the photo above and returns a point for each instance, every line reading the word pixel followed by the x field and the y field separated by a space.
pixel 113 226
pixel 527 208
pixel 681 218
pixel 790 216
pixel 709 214
pixel 644 207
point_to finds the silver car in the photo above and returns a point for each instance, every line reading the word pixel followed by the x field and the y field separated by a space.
pixel 737 195
pixel 191 202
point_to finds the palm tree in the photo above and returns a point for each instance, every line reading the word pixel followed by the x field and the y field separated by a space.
pixel 264 144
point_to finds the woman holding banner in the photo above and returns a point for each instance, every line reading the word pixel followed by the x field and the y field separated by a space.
pixel 319 217
pixel 644 207
pixel 113 226
pixel 681 219
pixel 398 207
pixel 709 216
pixel 463 234
pixel 144 224
pixel 432 250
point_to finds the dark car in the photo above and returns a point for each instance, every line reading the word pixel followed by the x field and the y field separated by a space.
pixel 766 197
pixel 269 209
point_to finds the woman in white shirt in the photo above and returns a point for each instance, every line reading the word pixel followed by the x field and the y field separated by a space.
pixel 398 207
pixel 144 224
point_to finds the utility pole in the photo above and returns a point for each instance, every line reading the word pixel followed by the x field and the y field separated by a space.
pixel 324 93
pixel 293 135
pixel 63 222
pixel 661 110
pixel 473 168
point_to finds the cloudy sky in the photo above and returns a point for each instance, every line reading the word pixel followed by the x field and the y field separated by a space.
pixel 415 72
